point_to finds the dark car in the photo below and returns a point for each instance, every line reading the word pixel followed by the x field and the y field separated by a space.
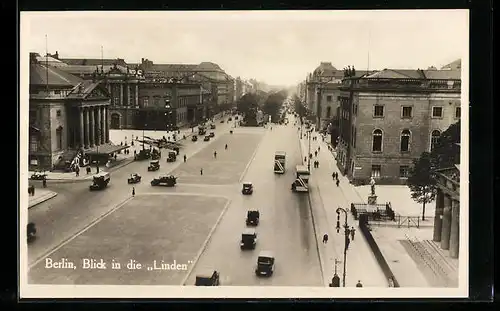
pixel 265 264
pixel 208 279
pixel 212 126
pixel 172 156
pixel 154 166
pixel 168 181
pixel 253 218
pixel 248 239
pixel 247 188
pixel 221 121
pixel 31 231
pixel 100 181
pixel 194 138
pixel 230 119
pixel 38 176
pixel 206 138
pixel 212 134
pixel 134 178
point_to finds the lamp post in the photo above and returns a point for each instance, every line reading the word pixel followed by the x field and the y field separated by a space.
pixel 97 149
pixel 346 240
pixel 145 124
pixel 309 150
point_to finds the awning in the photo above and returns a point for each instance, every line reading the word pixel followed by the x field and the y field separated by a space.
pixel 105 149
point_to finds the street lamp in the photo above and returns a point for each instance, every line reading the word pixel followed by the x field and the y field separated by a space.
pixel 346 240
pixel 309 152
pixel 145 124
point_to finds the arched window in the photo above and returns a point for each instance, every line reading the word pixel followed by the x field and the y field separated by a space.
pixel 405 141
pixel 59 137
pixel 434 138
pixel 377 141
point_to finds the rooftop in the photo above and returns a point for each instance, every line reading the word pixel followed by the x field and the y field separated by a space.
pixel 42 75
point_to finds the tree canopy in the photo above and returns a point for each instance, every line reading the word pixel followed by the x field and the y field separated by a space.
pixel 274 103
pixel 446 152
pixel 421 181
pixel 299 108
pixel 248 102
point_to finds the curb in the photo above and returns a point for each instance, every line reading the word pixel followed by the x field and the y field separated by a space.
pixel 45 198
pixel 79 232
pixel 321 264
pixel 205 244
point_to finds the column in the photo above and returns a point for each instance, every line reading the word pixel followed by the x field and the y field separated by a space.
pixel 99 128
pixel 445 232
pixel 82 129
pixel 438 216
pixel 106 123
pixel 103 124
pixel 455 228
pixel 121 94
pixel 86 127
pixel 137 95
pixel 92 127
pixel 129 89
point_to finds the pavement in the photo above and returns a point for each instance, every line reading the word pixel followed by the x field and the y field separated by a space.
pixel 285 226
pixel 325 198
pixel 41 195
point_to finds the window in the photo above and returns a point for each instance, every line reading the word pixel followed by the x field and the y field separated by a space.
pixel 458 112
pixel 57 92
pixel 33 142
pixel 145 102
pixel 59 135
pixel 437 112
pixel 156 101
pixel 355 109
pixel 435 138
pixel 328 112
pixel 404 171
pixel 377 141
pixel 354 136
pixel 58 113
pixel 378 111
pixel 376 171
pixel 406 112
pixel 329 98
pixel 116 100
pixel 405 141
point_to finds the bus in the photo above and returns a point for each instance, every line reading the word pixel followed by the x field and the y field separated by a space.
pixel 279 162
pixel 301 183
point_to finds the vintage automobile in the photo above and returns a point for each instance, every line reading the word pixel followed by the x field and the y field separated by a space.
pixel 154 166
pixel 206 138
pixel 265 264
pixel 31 232
pixel 168 181
pixel 212 126
pixel 208 279
pixel 230 131
pixel 230 119
pixel 221 121
pixel 172 156
pixel 247 188
pixel 100 181
pixel 38 176
pixel 143 154
pixel 253 217
pixel 212 134
pixel 155 155
pixel 134 178
pixel 248 239
pixel 236 118
pixel 177 150
pixel 194 138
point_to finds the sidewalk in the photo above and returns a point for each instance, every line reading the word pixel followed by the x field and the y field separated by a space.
pixel 325 198
pixel 41 195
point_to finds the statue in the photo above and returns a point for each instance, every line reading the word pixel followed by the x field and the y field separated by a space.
pixel 353 71
pixel 372 184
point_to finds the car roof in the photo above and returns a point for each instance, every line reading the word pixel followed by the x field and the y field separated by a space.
pixel 267 254
pixel 205 273
pixel 249 231
pixel 253 210
pixel 247 183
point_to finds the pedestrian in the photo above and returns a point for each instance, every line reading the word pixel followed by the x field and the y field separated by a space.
pixel 359 284
pixel 337 182
pixel 317 164
pixel 333 175
pixel 88 170
pixel 352 233
pixel 319 148
pixel 225 146
pixel 315 153
pixel 33 190
pixel 133 191
pixel 185 158
pixel 115 156
pixel 305 159
pixel 201 171
pixel 215 154
pixel 44 182
pixel 325 238
pixel 77 171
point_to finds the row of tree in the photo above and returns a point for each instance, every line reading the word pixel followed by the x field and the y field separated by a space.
pixel 269 103
pixel 422 176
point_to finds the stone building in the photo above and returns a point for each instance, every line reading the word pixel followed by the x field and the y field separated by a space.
pixel 447 216
pixel 66 114
pixel 389 118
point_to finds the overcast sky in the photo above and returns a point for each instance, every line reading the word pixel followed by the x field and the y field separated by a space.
pixel 278 47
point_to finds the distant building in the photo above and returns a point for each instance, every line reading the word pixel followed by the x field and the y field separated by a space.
pixel 66 114
pixel 455 65
pixel 389 118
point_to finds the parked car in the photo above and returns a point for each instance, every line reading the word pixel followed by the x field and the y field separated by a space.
pixel 212 134
pixel 206 138
pixel 194 138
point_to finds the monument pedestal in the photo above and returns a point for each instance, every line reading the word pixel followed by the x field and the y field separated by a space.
pixel 372 199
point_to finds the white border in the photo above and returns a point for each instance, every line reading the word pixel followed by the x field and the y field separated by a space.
pixel 63 291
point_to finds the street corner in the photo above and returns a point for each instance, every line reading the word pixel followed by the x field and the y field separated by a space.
pixel 168 232
pixel 41 195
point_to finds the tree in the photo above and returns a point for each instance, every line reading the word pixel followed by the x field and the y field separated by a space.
pixel 247 102
pixel 446 152
pixel 299 108
pixel 421 181
pixel 273 104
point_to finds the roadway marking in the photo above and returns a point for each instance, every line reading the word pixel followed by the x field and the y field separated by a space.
pixel 90 225
pixel 253 157
pixel 183 194
pixel 205 244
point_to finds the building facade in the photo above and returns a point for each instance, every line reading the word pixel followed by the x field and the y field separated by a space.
pixel 447 215
pixel 387 119
pixel 66 114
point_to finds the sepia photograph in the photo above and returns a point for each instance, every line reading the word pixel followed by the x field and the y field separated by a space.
pixel 244 154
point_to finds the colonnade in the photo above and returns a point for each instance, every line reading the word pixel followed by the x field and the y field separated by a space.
pixel 447 223
pixel 94 125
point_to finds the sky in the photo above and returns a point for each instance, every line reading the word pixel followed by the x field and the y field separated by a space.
pixel 276 47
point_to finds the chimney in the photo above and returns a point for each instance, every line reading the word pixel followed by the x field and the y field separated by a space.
pixel 56 56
